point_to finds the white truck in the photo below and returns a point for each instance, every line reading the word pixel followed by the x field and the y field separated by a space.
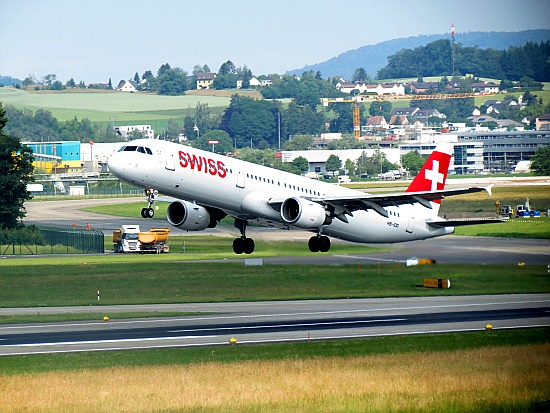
pixel 125 239
pixel 129 238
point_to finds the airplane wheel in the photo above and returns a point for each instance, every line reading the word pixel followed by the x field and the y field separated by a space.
pixel 248 245
pixel 144 212
pixel 324 245
pixel 150 212
pixel 314 244
pixel 238 246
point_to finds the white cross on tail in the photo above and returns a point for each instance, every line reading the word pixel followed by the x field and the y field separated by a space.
pixel 434 175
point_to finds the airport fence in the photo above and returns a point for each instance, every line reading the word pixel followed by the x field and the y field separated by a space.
pixel 97 193
pixel 53 241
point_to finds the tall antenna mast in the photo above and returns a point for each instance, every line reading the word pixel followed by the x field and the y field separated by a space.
pixel 453 49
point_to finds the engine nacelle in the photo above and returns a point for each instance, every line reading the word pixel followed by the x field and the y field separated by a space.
pixel 303 213
pixel 187 216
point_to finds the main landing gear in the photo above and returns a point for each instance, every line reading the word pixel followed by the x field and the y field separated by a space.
pixel 151 195
pixel 242 245
pixel 319 243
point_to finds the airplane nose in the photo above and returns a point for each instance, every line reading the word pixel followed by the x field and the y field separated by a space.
pixel 114 165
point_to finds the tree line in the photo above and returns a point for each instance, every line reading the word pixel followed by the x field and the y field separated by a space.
pixel 436 59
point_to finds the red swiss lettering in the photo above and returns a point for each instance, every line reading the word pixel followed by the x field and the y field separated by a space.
pixel 210 165
pixel 221 169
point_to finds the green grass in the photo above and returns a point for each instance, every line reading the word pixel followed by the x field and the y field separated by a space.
pixel 132 279
pixel 209 247
pixel 131 209
pixel 40 363
pixel 108 106
pixel 54 318
pixel 538 228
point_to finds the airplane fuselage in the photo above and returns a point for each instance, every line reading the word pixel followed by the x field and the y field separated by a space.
pixel 251 192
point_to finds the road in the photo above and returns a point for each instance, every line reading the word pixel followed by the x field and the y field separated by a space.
pixel 448 249
pixel 270 322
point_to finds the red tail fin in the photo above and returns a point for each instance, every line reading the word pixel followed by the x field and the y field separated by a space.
pixel 433 174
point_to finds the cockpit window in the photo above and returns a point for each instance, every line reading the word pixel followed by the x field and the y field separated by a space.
pixel 140 149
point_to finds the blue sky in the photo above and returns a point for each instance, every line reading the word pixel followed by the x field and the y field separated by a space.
pixel 94 40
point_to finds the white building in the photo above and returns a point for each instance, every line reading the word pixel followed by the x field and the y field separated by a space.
pixel 467 156
pixel 127 86
pixel 145 130
pixel 373 89
pixel 317 158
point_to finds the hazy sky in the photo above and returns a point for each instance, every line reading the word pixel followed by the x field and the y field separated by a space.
pixel 94 40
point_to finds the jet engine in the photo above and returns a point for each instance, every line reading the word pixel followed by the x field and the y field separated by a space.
pixel 303 213
pixel 188 216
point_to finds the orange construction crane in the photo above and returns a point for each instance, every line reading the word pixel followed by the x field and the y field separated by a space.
pixel 355 108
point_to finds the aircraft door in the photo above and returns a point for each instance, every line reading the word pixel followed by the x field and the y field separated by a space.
pixel 240 179
pixel 410 225
pixel 170 161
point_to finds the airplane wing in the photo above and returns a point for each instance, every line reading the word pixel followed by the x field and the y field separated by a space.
pixel 464 222
pixel 378 202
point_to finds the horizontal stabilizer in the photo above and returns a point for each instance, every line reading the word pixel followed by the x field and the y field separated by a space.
pixel 464 222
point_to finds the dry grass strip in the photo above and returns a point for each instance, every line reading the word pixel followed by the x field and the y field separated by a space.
pixel 458 380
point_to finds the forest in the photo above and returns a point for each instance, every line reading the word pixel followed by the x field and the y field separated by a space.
pixel 436 59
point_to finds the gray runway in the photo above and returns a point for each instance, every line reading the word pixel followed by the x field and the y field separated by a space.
pixel 270 322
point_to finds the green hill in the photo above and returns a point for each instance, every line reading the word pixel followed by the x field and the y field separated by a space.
pixel 374 57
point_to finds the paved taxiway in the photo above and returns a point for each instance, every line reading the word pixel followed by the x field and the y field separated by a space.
pixel 268 322
pixel 448 249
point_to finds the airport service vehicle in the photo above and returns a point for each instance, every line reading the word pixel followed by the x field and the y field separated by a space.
pixel 129 238
pixel 525 211
pixel 209 187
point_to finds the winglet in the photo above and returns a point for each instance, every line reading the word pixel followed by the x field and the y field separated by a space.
pixel 489 189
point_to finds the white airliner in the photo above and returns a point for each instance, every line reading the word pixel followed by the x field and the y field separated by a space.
pixel 210 186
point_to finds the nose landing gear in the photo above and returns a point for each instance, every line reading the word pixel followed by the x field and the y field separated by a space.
pixel 150 194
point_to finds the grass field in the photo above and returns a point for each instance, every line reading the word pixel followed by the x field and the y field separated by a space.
pixel 131 279
pixel 109 106
pixel 497 371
